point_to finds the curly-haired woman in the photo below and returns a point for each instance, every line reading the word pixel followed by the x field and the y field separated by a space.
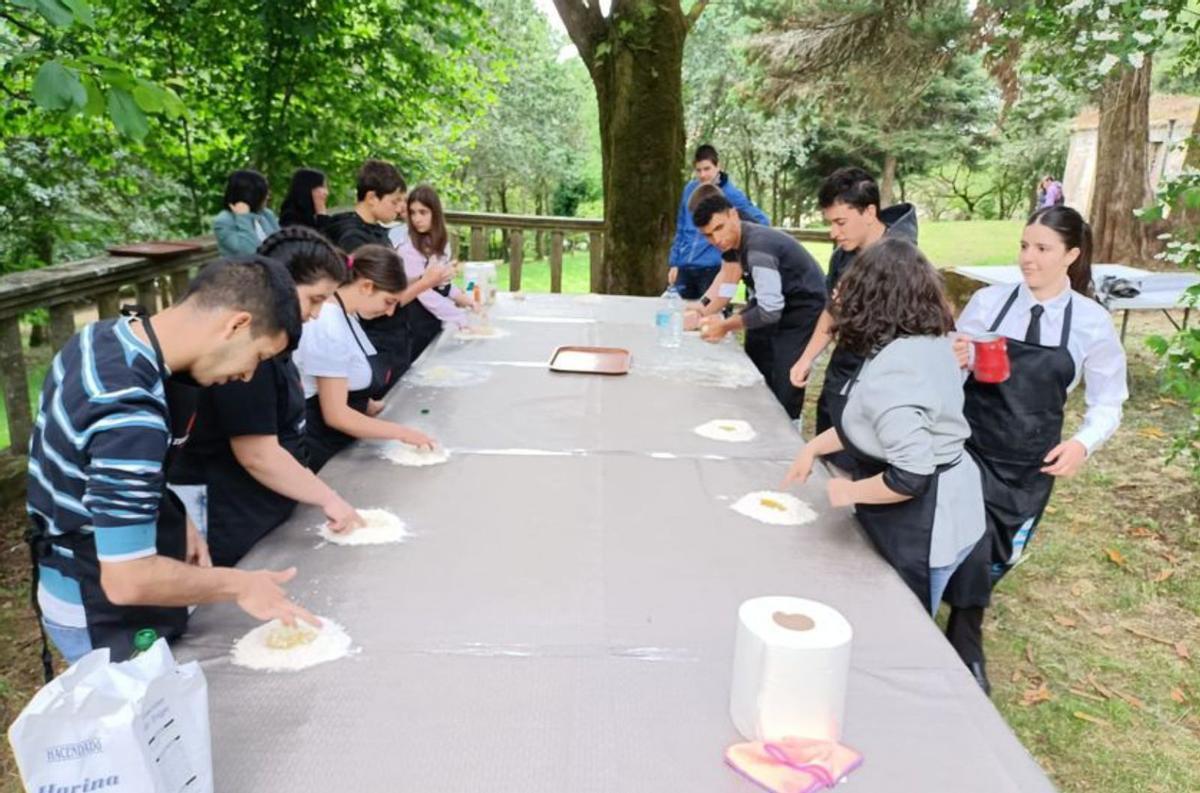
pixel 918 496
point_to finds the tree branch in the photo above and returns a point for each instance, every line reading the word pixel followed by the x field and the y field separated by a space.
pixel 585 25
pixel 22 25
pixel 693 15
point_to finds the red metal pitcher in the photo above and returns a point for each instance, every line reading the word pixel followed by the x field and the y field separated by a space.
pixel 991 358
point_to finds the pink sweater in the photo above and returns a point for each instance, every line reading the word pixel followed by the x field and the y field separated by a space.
pixel 439 305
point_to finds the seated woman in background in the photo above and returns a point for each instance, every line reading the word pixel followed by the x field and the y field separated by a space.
pixel 917 494
pixel 305 202
pixel 339 366
pixel 245 221
pixel 244 469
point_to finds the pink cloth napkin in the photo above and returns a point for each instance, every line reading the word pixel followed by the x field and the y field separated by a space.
pixel 793 765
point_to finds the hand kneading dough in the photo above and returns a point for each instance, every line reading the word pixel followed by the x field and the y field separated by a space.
pixel 274 647
pixel 382 527
pixel 780 509
pixel 733 430
pixel 405 454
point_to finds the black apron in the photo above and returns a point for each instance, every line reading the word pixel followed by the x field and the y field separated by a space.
pixel 392 338
pixel 1014 425
pixel 424 325
pixel 322 441
pixel 843 365
pixel 903 532
pixel 74 554
pixel 241 510
pixel 775 348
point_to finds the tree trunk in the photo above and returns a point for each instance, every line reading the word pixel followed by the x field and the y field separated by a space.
pixel 1122 182
pixel 635 59
pixel 887 185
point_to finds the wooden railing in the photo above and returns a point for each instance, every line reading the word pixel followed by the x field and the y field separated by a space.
pixel 480 224
pixel 106 281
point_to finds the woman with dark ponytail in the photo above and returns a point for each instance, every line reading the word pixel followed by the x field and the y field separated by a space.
pixel 341 369
pixel 1056 337
pixel 244 468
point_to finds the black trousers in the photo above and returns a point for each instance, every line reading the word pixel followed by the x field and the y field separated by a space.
pixel 774 351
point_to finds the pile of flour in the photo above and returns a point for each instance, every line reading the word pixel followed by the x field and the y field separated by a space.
pixel 274 647
pixel 381 527
pixel 778 509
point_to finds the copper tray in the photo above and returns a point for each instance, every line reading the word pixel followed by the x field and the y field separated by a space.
pixel 154 250
pixel 591 360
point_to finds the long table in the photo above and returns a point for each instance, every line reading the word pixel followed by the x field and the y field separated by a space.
pixel 563 618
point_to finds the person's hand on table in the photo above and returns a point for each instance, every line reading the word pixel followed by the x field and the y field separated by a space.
pixel 261 595
pixel 415 438
pixel 197 547
pixel 713 329
pixel 341 516
pixel 374 407
pixel 240 208
pixel 962 350
pixel 800 372
pixel 839 491
pixel 1065 459
pixel 801 467
pixel 691 319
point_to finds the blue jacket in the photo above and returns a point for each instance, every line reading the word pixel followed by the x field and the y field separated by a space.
pixel 690 249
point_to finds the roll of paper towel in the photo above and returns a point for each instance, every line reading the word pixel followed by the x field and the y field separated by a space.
pixel 790 667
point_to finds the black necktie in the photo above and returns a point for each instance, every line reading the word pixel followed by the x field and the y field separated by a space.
pixel 1033 334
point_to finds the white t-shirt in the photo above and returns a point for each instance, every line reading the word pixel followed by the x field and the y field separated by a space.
pixel 327 349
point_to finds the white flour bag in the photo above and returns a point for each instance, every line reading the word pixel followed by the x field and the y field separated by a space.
pixel 135 727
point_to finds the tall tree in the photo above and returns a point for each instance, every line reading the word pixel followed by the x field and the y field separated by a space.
pixel 1104 49
pixel 634 56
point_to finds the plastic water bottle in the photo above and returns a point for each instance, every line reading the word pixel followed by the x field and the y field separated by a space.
pixel 669 319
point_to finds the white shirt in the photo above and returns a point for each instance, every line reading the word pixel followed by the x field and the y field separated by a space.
pixel 328 350
pixel 1093 344
pixel 398 235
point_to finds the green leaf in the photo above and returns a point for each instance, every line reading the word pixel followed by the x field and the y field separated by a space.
pixel 603 49
pixel 120 78
pixel 149 97
pixel 55 12
pixel 95 98
pixel 58 88
pixel 1150 213
pixel 1191 198
pixel 81 10
pixel 1157 344
pixel 126 115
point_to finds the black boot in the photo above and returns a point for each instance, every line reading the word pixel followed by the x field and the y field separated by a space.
pixel 964 630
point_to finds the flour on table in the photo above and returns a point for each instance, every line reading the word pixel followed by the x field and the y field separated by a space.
pixel 705 372
pixel 732 430
pixel 480 332
pixel 590 298
pixel 443 376
pixel 402 453
pixel 779 509
pixel 381 527
pixel 274 647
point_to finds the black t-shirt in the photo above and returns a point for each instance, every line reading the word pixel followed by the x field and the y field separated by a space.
pixel 265 405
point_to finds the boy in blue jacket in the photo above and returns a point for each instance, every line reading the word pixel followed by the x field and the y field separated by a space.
pixel 694 262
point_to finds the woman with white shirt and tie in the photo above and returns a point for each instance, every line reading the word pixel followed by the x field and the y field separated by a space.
pixel 1056 337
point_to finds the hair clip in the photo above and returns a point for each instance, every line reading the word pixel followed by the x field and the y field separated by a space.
pixel 350 262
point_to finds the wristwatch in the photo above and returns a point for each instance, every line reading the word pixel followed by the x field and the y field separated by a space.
pixel 704 301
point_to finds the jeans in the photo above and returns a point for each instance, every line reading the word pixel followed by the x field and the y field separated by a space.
pixel 73 643
pixel 692 282
pixel 939 577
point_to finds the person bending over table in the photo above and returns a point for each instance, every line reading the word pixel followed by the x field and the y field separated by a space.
pixel 915 492
pixel 245 468
pixel 787 295
pixel 111 545
pixel 1056 336
pixel 338 365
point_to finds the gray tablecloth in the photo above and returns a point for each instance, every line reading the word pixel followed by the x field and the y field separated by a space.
pixel 564 617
